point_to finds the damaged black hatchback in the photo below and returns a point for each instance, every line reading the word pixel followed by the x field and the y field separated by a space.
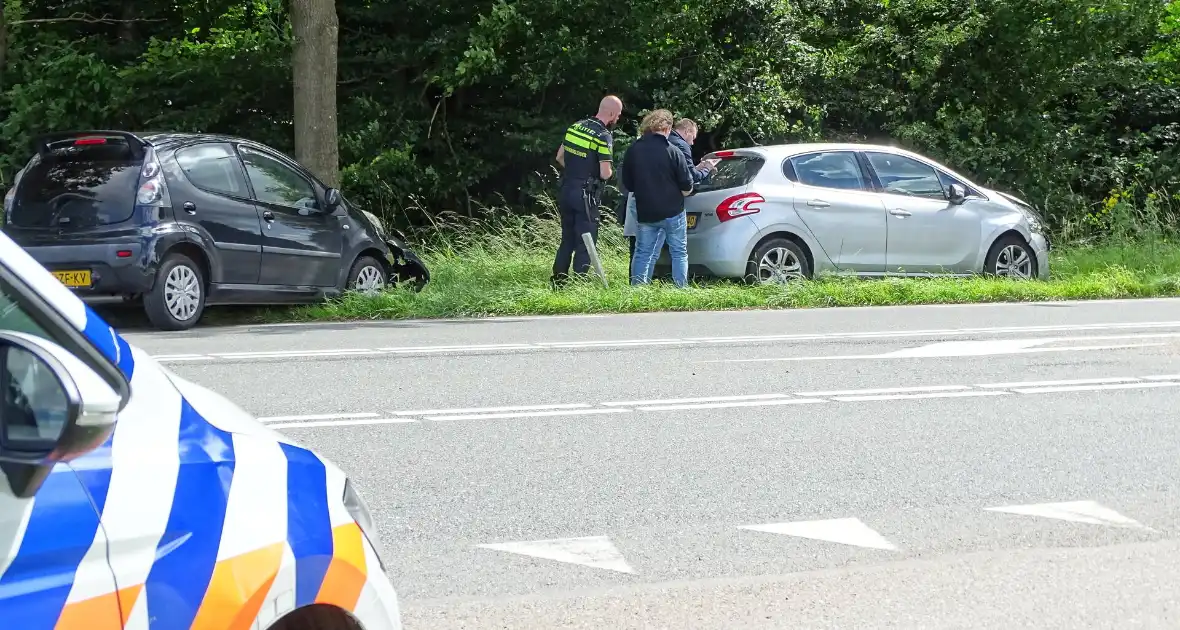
pixel 182 221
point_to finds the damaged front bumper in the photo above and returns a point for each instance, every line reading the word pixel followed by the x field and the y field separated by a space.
pixel 406 269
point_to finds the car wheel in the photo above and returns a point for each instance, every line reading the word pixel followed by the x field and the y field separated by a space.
pixel 778 261
pixel 1011 257
pixel 368 275
pixel 177 299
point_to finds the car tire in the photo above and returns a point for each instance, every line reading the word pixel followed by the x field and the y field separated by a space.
pixel 1008 256
pixel 777 261
pixel 177 299
pixel 367 275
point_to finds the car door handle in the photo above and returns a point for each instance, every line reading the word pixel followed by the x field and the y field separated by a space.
pixel 898 212
pixel 818 203
pixel 268 216
pixel 189 207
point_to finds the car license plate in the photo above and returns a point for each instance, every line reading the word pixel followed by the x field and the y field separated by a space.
pixel 692 221
pixel 73 278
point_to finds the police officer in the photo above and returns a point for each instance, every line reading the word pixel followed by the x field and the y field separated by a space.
pixel 585 156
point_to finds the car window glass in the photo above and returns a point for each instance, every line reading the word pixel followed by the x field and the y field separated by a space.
pixel 275 182
pixel 832 169
pixel 33 405
pixel 901 175
pixel 213 167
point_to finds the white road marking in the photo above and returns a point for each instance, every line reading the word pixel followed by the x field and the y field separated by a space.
pixel 1077 511
pixel 890 390
pixel 676 401
pixel 727 405
pixel 591 551
pixel 725 402
pixel 1093 388
pixel 530 414
pixel 889 355
pixel 668 341
pixel 1080 381
pixel 846 531
pixel 918 396
pixel 339 423
pixel 468 410
pixel 317 416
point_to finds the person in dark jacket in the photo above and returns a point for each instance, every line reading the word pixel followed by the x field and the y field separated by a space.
pixel 658 176
pixel 683 135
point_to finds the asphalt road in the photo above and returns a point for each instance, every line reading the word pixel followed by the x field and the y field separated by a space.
pixel 792 469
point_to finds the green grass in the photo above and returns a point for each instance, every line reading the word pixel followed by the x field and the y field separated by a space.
pixel 504 270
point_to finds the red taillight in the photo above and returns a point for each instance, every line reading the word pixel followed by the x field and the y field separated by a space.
pixel 80 142
pixel 123 253
pixel 739 206
pixel 723 154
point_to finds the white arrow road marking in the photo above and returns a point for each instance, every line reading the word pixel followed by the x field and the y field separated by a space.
pixel 846 531
pixel 1077 511
pixel 591 551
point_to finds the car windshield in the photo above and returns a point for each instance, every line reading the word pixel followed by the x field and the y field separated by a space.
pixel 732 172
pixel 77 188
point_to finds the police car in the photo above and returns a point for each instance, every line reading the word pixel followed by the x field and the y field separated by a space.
pixel 131 498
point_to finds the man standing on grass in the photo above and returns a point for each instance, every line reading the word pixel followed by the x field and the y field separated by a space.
pixel 657 174
pixel 585 155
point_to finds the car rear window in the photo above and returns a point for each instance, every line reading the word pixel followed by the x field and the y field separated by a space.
pixel 77 187
pixel 732 172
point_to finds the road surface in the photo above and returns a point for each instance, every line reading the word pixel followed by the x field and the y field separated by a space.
pixel 1001 466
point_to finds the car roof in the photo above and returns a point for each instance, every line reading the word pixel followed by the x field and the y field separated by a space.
pixel 163 139
pixel 783 150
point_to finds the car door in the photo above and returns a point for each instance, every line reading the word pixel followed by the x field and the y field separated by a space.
pixel 835 200
pixel 302 244
pixel 927 233
pixel 219 204
pixel 53 553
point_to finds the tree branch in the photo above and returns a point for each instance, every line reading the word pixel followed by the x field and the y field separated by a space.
pixel 82 17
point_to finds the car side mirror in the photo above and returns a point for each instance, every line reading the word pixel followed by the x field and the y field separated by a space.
pixel 957 194
pixel 332 199
pixel 53 408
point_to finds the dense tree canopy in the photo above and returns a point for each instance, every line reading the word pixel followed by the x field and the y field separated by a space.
pixel 450 104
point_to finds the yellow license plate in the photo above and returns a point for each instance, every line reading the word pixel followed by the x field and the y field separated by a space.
pixel 692 221
pixel 73 278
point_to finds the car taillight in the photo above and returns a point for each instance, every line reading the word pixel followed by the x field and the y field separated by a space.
pixel 153 191
pixel 82 142
pixel 723 154
pixel 739 206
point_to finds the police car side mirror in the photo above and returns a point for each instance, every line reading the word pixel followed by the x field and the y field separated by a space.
pixel 53 408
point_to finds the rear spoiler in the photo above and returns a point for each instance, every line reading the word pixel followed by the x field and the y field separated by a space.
pixel 43 144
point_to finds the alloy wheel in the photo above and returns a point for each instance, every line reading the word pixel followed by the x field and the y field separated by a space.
pixel 1014 261
pixel 182 292
pixel 369 280
pixel 779 265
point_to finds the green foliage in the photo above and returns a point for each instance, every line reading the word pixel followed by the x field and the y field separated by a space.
pixel 453 106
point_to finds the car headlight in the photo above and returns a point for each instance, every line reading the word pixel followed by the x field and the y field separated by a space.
pixel 360 513
pixel 1035 223
pixel 377 225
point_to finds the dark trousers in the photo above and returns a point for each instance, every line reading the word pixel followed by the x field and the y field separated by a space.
pixel 574 223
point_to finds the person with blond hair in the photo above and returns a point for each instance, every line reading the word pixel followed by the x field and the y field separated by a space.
pixel 658 176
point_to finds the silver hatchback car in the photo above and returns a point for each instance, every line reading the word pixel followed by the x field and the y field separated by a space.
pixel 775 213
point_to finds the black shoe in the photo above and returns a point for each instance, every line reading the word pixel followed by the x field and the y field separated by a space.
pixel 558 281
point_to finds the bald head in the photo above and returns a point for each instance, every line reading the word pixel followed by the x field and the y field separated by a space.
pixel 609 109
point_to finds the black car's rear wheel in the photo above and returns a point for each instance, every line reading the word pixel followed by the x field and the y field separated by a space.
pixel 177 300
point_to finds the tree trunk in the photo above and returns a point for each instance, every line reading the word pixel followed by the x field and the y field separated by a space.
pixel 316 30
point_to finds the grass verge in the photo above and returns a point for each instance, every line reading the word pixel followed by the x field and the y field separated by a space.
pixel 504 270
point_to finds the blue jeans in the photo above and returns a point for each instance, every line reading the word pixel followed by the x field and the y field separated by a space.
pixel 649 239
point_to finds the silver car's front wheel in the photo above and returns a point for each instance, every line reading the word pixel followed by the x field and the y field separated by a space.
pixel 1011 257
pixel 778 261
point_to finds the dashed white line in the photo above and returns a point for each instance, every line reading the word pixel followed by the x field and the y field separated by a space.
pixel 530 414
pixel 479 410
pixel 1094 388
pixel 1080 381
pixel 318 416
pixel 726 405
pixel 707 399
pixel 1167 377
pixel 339 423
pixel 968 394
pixel 889 390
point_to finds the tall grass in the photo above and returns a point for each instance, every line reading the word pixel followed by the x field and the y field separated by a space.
pixel 502 265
